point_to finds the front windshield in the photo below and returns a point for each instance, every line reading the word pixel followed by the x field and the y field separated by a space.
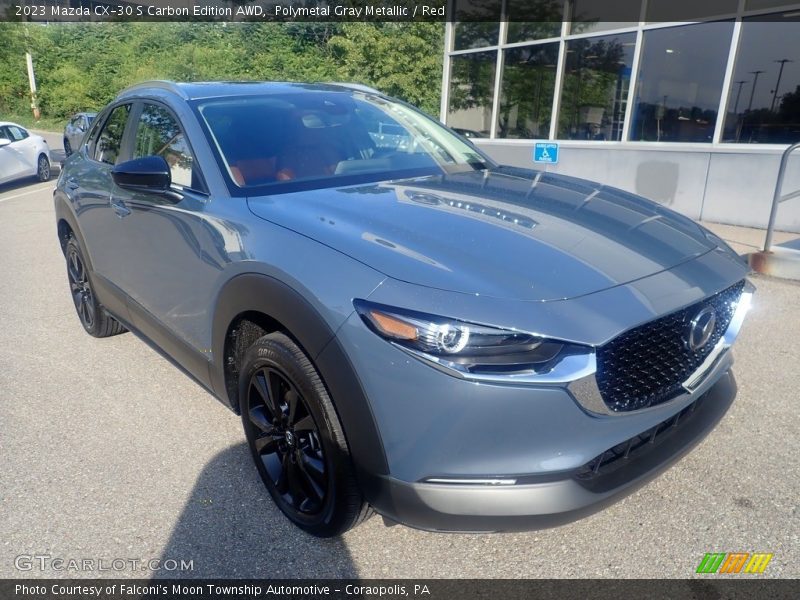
pixel 327 136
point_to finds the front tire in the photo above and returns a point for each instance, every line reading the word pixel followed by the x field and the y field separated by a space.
pixel 67 148
pixel 43 168
pixel 296 439
pixel 94 318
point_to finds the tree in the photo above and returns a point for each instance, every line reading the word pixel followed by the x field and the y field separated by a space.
pixel 82 66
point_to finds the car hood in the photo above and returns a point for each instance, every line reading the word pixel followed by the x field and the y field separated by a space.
pixel 508 233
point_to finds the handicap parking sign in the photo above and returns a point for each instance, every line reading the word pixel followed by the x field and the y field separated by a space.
pixel 545 152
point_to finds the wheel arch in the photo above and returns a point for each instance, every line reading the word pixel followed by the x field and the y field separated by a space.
pixel 252 305
pixel 66 225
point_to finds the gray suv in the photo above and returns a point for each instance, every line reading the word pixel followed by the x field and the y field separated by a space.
pixel 403 325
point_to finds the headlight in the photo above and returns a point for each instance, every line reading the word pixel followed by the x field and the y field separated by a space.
pixel 460 346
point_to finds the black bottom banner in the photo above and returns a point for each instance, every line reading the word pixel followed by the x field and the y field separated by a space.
pixel 444 589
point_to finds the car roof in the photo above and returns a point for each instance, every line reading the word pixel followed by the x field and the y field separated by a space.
pixel 4 123
pixel 88 114
pixel 216 89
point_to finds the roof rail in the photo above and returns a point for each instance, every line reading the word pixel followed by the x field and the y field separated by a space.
pixel 169 86
pixel 355 86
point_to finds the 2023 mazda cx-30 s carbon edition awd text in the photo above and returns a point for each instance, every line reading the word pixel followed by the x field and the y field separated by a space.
pixel 403 325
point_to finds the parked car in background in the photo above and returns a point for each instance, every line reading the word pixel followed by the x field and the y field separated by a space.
pixel 403 324
pixel 22 154
pixel 77 126
pixel 469 133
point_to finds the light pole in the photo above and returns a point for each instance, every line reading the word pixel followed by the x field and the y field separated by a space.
pixel 753 91
pixel 783 62
pixel 738 95
pixel 739 122
pixel 31 76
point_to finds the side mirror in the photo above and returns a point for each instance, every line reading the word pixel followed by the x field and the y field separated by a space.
pixel 147 174
pixel 4 142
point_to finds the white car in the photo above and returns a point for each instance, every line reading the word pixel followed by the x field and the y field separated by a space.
pixel 22 154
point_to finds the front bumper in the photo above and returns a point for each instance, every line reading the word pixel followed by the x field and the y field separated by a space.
pixel 557 498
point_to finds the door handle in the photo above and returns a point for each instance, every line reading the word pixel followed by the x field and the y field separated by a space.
pixel 120 208
pixel 71 184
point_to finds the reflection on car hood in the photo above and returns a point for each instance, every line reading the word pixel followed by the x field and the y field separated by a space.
pixel 508 233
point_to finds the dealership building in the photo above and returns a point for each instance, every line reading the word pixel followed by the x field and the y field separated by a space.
pixel 692 107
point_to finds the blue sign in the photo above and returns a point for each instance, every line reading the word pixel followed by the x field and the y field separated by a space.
pixel 545 152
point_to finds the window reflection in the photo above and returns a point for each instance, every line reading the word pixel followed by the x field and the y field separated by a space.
pixel 526 99
pixel 680 82
pixel 594 95
pixel 477 23
pixel 764 100
pixel 471 92
pixel 158 134
pixel 684 10
pixel 589 15
pixel 761 4
pixel 109 143
pixel 534 19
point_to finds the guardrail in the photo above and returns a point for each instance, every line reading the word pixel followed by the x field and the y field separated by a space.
pixel 777 198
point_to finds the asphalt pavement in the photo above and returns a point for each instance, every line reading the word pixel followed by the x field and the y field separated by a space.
pixel 108 452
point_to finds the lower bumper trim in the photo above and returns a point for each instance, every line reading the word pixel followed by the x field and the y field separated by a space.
pixel 521 507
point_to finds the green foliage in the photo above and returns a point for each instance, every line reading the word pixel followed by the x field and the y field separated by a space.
pixel 82 66
pixel 13 76
pixel 400 59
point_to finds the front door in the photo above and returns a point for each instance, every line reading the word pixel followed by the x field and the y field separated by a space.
pixel 167 259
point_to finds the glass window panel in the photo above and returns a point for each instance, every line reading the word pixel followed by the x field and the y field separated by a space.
pixel 16 133
pixel 590 15
pixel 534 19
pixel 475 35
pixel 594 95
pixel 760 4
pixel 471 92
pixel 526 99
pixel 158 134
pixel 659 11
pixel 109 143
pixel 680 82
pixel 477 23
pixel 764 101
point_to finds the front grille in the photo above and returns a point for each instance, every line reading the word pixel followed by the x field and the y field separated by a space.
pixel 637 446
pixel 647 365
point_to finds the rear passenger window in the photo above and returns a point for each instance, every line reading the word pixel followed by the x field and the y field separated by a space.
pixel 16 133
pixel 109 144
pixel 158 134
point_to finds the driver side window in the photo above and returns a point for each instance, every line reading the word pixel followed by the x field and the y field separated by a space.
pixel 158 134
pixel 109 144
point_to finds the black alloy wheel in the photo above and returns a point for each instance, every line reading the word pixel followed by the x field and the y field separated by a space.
pixel 82 294
pixel 296 439
pixel 94 318
pixel 287 441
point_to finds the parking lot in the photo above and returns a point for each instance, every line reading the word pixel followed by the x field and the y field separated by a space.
pixel 108 452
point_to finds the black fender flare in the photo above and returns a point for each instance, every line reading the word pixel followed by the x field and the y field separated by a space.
pixel 256 292
pixel 64 213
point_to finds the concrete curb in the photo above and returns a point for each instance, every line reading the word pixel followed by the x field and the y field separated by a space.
pixel 780 262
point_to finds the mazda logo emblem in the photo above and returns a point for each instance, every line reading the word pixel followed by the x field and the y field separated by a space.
pixel 701 328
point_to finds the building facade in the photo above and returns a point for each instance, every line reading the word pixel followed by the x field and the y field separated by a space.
pixel 693 113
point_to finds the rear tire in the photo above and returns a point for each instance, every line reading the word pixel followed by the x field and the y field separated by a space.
pixel 93 316
pixel 296 439
pixel 43 168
